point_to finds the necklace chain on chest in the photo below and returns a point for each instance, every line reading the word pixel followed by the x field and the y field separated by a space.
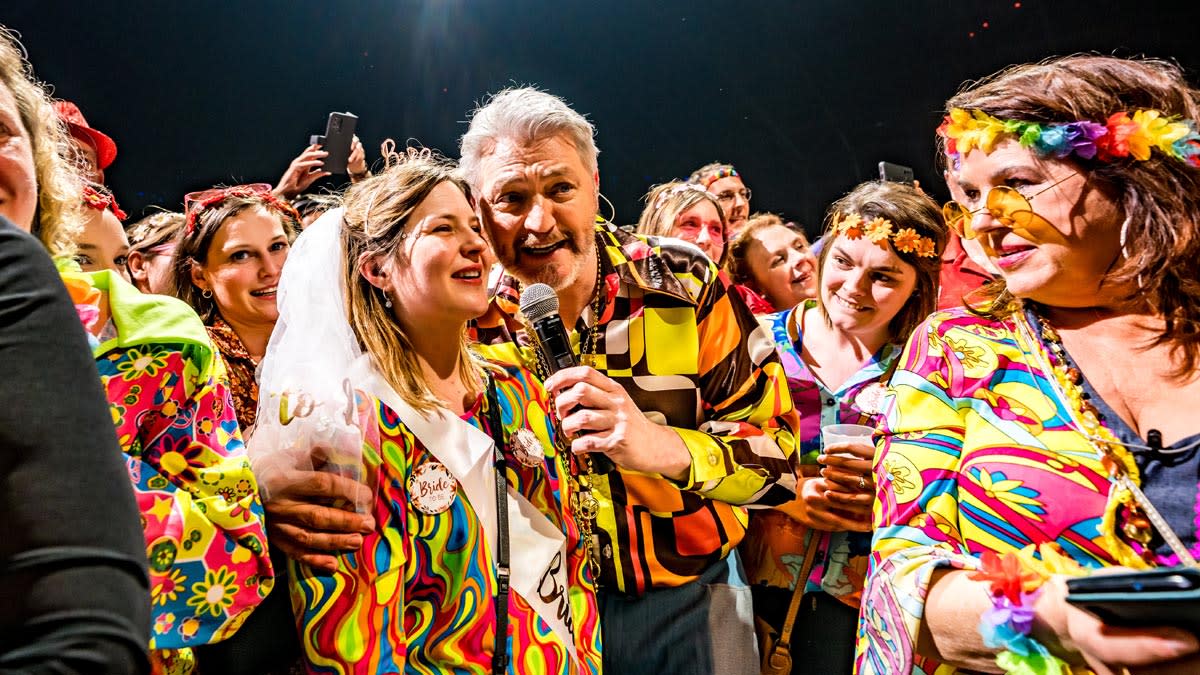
pixel 1142 518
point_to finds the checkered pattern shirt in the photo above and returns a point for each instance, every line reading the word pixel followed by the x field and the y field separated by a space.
pixel 691 355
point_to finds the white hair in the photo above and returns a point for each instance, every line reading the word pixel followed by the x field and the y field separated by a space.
pixel 524 115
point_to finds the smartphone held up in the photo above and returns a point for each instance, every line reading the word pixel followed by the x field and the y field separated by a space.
pixel 338 137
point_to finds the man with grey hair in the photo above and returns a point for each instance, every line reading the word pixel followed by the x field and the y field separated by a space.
pixel 680 389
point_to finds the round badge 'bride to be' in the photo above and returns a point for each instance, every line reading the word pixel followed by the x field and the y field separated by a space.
pixel 870 399
pixel 432 488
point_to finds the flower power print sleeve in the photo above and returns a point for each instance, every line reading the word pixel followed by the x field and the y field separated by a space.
pixel 199 501
pixel 744 452
pixel 916 507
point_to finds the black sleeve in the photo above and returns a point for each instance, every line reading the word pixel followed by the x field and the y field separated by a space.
pixel 73 590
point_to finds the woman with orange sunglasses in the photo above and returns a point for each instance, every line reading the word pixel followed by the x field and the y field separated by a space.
pixel 1049 429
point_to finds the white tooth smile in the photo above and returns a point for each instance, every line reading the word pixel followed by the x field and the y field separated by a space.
pixel 847 304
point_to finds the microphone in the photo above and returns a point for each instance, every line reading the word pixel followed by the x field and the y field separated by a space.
pixel 539 304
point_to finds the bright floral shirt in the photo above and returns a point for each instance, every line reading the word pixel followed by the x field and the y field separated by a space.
pixel 199 501
pixel 775 543
pixel 680 341
pixel 977 454
pixel 419 596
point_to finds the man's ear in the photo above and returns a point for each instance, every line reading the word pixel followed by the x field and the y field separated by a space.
pixel 373 271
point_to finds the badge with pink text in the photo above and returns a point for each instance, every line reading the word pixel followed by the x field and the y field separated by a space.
pixel 870 398
pixel 527 448
pixel 432 488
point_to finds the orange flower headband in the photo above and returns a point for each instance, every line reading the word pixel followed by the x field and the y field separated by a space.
pixel 880 231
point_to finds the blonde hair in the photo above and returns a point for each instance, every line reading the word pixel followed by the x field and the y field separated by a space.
pixel 664 204
pixel 375 224
pixel 59 219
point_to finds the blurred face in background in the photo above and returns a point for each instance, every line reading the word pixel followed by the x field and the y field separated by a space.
pixel 782 268
pixel 102 245
pixel 18 179
pixel 702 226
pixel 734 198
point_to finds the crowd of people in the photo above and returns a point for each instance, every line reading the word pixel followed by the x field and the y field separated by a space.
pixel 281 432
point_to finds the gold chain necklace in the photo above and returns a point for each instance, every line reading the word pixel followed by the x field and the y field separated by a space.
pixel 582 473
pixel 1142 518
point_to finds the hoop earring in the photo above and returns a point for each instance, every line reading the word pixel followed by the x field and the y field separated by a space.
pixel 1125 251
pixel 612 209
pixel 206 294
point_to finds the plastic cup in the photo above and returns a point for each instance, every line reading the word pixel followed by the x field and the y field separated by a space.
pixel 846 433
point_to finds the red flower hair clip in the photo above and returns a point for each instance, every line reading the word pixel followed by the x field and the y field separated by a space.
pixel 102 199
pixel 195 203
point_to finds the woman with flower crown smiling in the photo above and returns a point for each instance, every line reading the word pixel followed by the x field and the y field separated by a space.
pixel 877 280
pixel 1049 429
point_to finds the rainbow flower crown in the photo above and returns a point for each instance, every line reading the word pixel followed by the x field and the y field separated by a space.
pixel 880 230
pixel 1120 136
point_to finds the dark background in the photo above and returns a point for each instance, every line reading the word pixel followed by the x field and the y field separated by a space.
pixel 803 97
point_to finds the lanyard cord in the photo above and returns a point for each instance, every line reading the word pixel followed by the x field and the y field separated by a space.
pixel 496 430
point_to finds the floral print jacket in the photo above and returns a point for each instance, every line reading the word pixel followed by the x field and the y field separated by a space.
pixel 199 502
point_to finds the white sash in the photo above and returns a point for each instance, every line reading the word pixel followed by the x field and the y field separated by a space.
pixel 537 547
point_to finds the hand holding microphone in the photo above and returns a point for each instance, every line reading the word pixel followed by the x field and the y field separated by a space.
pixel 595 411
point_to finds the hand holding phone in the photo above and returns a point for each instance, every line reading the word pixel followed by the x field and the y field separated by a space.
pixel 1158 597
pixel 339 134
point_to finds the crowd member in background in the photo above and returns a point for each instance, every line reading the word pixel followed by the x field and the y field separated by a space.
pixel 227 264
pixel 72 556
pixel 372 341
pixel 102 244
pixel 878 280
pixel 94 150
pixel 723 181
pixel 696 432
pixel 306 169
pixel 1050 428
pixel 311 206
pixel 228 260
pixel 685 211
pixel 151 251
pixel 772 265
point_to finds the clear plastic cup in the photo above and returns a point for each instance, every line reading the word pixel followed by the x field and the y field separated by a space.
pixel 846 433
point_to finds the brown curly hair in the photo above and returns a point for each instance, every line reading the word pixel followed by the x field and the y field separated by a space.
pixel 1160 196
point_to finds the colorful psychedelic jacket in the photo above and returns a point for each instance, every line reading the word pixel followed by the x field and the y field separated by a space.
pixel 419 596
pixel 775 543
pixel 175 421
pixel 977 454
pixel 691 356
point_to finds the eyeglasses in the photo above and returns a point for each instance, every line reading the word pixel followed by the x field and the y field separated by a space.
pixel 729 195
pixel 1008 206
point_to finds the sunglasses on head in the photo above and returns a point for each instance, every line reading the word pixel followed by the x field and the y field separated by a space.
pixel 1006 205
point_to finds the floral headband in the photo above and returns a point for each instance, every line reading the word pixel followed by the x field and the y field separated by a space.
pixel 677 189
pixel 880 230
pixel 723 171
pixel 1118 137
pixel 194 203
pixel 101 200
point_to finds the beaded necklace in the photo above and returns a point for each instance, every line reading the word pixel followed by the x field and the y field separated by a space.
pixel 1141 518
pixel 584 505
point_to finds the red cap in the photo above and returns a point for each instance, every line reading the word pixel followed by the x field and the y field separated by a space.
pixel 106 148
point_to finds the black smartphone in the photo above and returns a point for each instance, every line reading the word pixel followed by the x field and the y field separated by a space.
pixel 339 133
pixel 1158 597
pixel 895 173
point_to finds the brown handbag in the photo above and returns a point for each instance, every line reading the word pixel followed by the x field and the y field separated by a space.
pixel 777 650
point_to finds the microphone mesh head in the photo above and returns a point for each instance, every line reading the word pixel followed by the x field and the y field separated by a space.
pixel 539 301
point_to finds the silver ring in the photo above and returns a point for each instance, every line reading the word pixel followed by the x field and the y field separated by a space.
pixel 862 483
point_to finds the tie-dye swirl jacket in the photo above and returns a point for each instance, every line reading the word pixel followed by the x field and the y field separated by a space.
pixel 419 596
pixel 175 421
pixel 977 454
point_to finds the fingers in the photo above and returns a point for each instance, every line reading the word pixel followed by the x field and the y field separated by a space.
pixel 583 396
pixel 859 502
pixel 326 486
pixel 569 377
pixel 845 464
pixel 586 419
pixel 850 481
pixel 319 517
pixel 860 450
